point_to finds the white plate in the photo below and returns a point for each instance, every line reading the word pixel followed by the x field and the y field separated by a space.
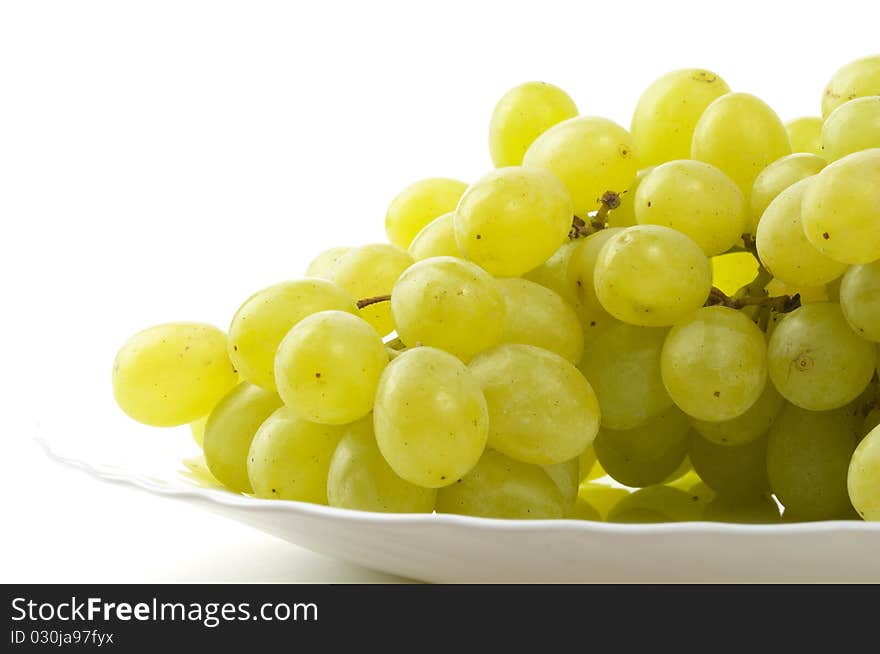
pixel 447 548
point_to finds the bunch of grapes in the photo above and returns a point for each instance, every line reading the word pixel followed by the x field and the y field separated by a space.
pixel 690 307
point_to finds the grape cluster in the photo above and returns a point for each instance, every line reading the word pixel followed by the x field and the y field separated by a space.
pixel 690 307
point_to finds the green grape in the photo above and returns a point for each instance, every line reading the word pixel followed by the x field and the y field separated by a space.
pixel 197 472
pixel 590 155
pixel 808 455
pixel 646 455
pixel 370 271
pixel 541 409
pixel 852 127
pixel 437 239
pixel 230 430
pixel 731 471
pixel 805 134
pixel 783 247
pixel 601 497
pixel 701 492
pixel 512 220
pixel 816 361
pixel 872 420
pixel 747 427
pixel 758 510
pixel 684 469
pixel 566 476
pixel 448 303
pixel 537 316
pixel 587 465
pixel 324 264
pixel 580 279
pixel 741 135
pixel 360 478
pixel 714 364
pixel 808 294
pixel 863 478
pixel 652 276
pixel 522 115
pixel 197 429
pixel 860 299
pixel 328 367
pixel 172 374
pixel 625 214
pixel 430 417
pixel 656 504
pixel 698 200
pixel 553 273
pixel 855 80
pixel 622 365
pixel 417 205
pixel 265 318
pixel 667 113
pixel 730 272
pixel 500 487
pixel 583 510
pixel 777 177
pixel 289 458
pixel 841 209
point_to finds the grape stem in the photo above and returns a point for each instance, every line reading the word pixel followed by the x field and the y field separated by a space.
pixel 779 303
pixel 598 221
pixel 376 299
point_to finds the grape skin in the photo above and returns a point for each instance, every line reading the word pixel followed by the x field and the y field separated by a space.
pixel 805 134
pixel 860 300
pixel 816 361
pixel 777 177
pixel 852 127
pixel 418 204
pixel 863 477
pixel 856 79
pixel 325 263
pixel 541 409
pixel 328 366
pixel 580 276
pixel 738 471
pixel 436 239
pixel 747 427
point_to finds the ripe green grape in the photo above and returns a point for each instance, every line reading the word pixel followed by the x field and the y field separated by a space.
pixel 541 409
pixel 537 316
pixel 805 134
pixel 264 319
pixel 741 135
pixel 667 113
pixel 852 127
pixel 777 177
pixel 230 430
pixel 197 429
pixel 731 471
pixel 808 455
pixel 580 280
pixel 625 214
pixel 360 478
pixel 437 239
pixel 172 374
pixel 863 478
pixel 652 276
pixel 730 272
pixel 783 247
pixel 857 79
pixel 587 465
pixel 656 504
pixel 714 364
pixel 513 219
pixel 647 454
pixel 430 418
pixel 860 299
pixel 418 204
pixel 622 365
pixel 761 510
pixel 522 115
pixel 566 476
pixel 324 264
pixel 448 303
pixel 871 422
pixel 289 458
pixel 696 199
pixel 747 427
pixel 553 273
pixel 601 497
pixel 841 209
pixel 500 487
pixel 583 510
pixel 816 361
pixel 370 271
pixel 590 155
pixel 328 367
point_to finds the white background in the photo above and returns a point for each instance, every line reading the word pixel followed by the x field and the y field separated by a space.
pixel 162 160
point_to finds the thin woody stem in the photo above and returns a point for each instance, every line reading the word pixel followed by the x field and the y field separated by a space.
pixel 367 301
